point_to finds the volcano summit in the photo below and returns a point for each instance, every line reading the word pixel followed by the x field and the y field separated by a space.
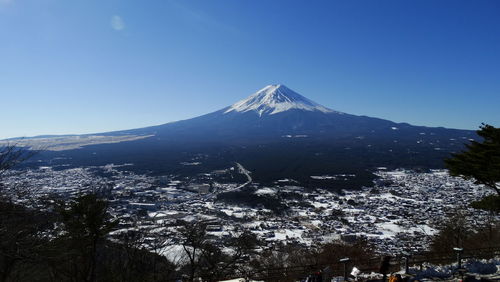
pixel 274 99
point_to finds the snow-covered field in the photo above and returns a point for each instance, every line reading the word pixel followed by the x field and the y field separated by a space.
pixel 400 213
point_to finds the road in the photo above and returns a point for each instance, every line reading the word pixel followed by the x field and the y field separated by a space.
pixel 246 172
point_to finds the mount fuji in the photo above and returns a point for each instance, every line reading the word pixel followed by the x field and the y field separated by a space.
pixel 270 113
pixel 275 133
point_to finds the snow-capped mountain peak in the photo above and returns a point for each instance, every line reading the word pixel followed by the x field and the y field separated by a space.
pixel 274 99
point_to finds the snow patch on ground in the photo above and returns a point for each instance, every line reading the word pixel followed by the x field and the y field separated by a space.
pixel 265 191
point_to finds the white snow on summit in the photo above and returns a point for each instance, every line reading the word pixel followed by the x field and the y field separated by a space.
pixel 274 99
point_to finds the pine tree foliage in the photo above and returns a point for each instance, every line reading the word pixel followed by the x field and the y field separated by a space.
pixel 481 160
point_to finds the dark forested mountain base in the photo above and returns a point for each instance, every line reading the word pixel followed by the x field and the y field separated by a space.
pixel 275 133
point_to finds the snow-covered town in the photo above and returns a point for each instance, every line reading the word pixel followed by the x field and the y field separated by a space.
pixel 398 214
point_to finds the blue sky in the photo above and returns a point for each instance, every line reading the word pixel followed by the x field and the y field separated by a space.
pixel 93 66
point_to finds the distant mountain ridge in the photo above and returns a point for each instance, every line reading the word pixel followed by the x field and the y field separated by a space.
pixel 277 133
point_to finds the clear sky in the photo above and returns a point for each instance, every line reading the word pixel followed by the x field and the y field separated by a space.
pixel 84 66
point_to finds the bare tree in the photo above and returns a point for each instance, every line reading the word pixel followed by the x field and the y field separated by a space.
pixel 217 264
pixel 11 155
pixel 193 240
pixel 158 241
pixel 86 223
pixel 23 234
pixel 21 231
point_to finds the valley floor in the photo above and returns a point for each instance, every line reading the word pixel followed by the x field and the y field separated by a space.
pixel 399 214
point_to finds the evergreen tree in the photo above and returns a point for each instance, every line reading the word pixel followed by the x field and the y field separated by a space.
pixel 481 160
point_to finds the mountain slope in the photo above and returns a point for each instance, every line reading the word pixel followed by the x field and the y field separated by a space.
pixel 277 133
